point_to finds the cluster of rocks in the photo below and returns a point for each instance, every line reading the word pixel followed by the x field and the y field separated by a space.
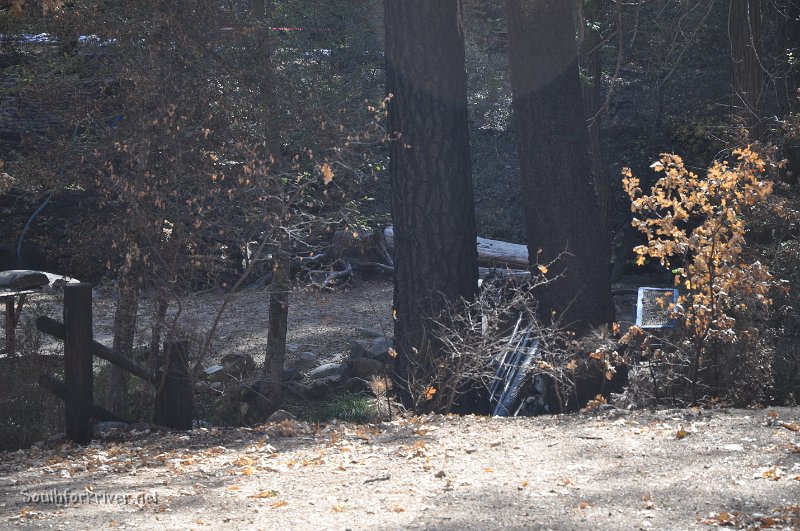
pixel 367 358
pixel 306 376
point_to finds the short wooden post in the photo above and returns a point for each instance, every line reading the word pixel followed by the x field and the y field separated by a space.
pixel 78 373
pixel 174 400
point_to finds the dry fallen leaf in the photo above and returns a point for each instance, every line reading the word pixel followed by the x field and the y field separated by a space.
pixel 279 503
pixel 682 433
pixel 584 505
pixel 774 473
pixel 397 509
pixel 265 494
pixel 649 502
pixel 243 461
pixel 723 519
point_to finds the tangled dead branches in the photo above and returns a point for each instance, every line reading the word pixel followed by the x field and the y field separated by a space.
pixel 476 341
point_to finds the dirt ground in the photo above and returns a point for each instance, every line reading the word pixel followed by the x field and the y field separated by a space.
pixel 677 469
pixel 321 322
pixel 619 470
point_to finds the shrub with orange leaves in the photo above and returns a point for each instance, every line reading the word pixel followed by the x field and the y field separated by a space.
pixel 695 226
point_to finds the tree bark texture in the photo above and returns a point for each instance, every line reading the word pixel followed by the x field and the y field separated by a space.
pixel 593 102
pixel 747 74
pixel 272 392
pixel 789 90
pixel 430 167
pixel 561 211
pixel 124 331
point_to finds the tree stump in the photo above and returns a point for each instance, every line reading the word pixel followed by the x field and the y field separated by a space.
pixel 174 398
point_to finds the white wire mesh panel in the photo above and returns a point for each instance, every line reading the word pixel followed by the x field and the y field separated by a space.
pixel 653 307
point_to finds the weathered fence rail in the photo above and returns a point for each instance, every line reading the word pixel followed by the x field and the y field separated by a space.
pixel 174 400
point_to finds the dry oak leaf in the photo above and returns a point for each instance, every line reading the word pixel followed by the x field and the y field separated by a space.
pixel 429 392
pixel 265 494
pixel 327 173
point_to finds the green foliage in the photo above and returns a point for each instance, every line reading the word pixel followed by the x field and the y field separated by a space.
pixel 345 406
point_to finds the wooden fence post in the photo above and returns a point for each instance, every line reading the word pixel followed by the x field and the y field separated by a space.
pixel 78 359
pixel 174 400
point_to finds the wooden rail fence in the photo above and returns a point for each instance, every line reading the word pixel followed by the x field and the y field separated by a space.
pixel 174 399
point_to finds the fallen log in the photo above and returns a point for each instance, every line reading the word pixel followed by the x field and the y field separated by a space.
pixel 512 275
pixel 360 251
pixel 491 253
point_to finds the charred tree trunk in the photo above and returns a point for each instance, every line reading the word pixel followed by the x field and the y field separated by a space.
pixel 430 167
pixel 561 212
pixel 747 75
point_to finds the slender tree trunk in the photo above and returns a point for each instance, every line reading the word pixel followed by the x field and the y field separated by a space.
pixel 262 12
pixel 259 8
pixel 561 211
pixel 593 101
pixel 789 91
pixel 272 392
pixel 124 332
pixel 747 74
pixel 155 332
pixel 430 167
pixel 789 75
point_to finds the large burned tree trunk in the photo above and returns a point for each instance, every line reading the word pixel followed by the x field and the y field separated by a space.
pixel 561 211
pixel 430 167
